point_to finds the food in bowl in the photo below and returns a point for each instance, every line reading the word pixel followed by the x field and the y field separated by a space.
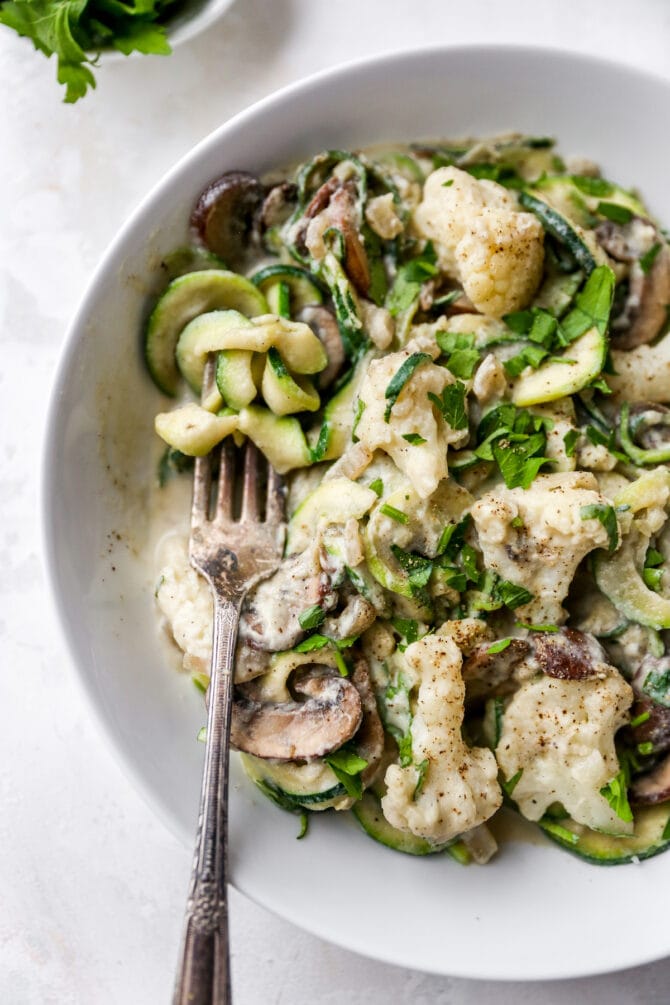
pixel 456 356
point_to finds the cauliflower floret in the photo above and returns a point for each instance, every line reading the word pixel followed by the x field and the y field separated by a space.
pixel 482 240
pixel 413 414
pixel 560 735
pixel 543 554
pixel 381 215
pixel 185 601
pixel 642 374
pixel 460 788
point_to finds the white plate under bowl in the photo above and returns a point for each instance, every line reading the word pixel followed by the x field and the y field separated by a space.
pixel 534 911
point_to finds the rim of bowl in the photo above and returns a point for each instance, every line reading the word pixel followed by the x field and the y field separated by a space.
pixel 67 350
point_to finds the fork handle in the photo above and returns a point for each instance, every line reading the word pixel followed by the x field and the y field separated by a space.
pixel 203 977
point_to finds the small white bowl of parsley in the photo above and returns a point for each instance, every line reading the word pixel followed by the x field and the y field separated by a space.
pixel 81 33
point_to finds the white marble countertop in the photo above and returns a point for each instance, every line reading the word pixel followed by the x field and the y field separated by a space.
pixel 91 883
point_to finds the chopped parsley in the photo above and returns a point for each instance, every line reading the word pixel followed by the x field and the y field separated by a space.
pixel 562 833
pixel 417 567
pixel 415 439
pixel 645 748
pixel 607 517
pixel 408 628
pixel 616 794
pixel 452 405
pixel 657 686
pixel 377 486
pixel 400 378
pixel 498 647
pixel 304 825
pixel 409 279
pixel 347 766
pixel 452 537
pixel 462 357
pixel 512 596
pixel 421 770
pixel 640 719
pixel 358 414
pixel 312 617
pixel 570 442
pixel 515 439
pixel 592 307
pixel 508 785
pixel 612 211
pixel 393 513
pixel 647 260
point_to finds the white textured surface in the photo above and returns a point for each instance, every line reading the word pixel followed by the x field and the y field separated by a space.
pixel 91 884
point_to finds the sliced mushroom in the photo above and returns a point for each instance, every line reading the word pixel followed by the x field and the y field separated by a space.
pixel 336 200
pixel 327 713
pixel 487 673
pixel 277 204
pixel 570 655
pixel 357 615
pixel 644 311
pixel 369 739
pixel 324 326
pixel 654 787
pixel 343 212
pixel 225 217
pixel 270 615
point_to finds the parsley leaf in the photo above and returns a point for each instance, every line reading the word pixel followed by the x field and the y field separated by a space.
pixel 312 617
pixel 649 257
pixel 452 405
pixel 612 211
pixel 417 567
pixel 400 378
pixel 414 438
pixel 74 29
pixel 657 686
pixel 519 463
pixel 421 769
pixel 498 647
pixel 570 442
pixel 409 279
pixel 393 513
pixel 347 765
pixel 616 794
pixel 512 595
pixel 592 306
pixel 377 486
pixel 607 516
pixel 537 628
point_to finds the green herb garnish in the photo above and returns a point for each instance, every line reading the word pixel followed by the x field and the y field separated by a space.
pixel 347 765
pixel 498 647
pixel 607 517
pixel 393 513
pixel 415 439
pixel 452 405
pixel 616 794
pixel 649 257
pixel 400 378
pixel 612 211
pixel 312 617
pixel 76 30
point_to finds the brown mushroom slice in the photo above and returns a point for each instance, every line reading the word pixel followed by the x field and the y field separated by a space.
pixel 324 326
pixel 487 673
pixel 278 204
pixel 370 737
pixel 270 618
pixel 356 615
pixel 300 730
pixel 225 217
pixel 644 312
pixel 654 787
pixel 343 212
pixel 570 655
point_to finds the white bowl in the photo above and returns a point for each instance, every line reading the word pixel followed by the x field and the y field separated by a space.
pixel 534 912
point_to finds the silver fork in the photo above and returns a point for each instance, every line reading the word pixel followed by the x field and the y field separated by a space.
pixel 232 555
